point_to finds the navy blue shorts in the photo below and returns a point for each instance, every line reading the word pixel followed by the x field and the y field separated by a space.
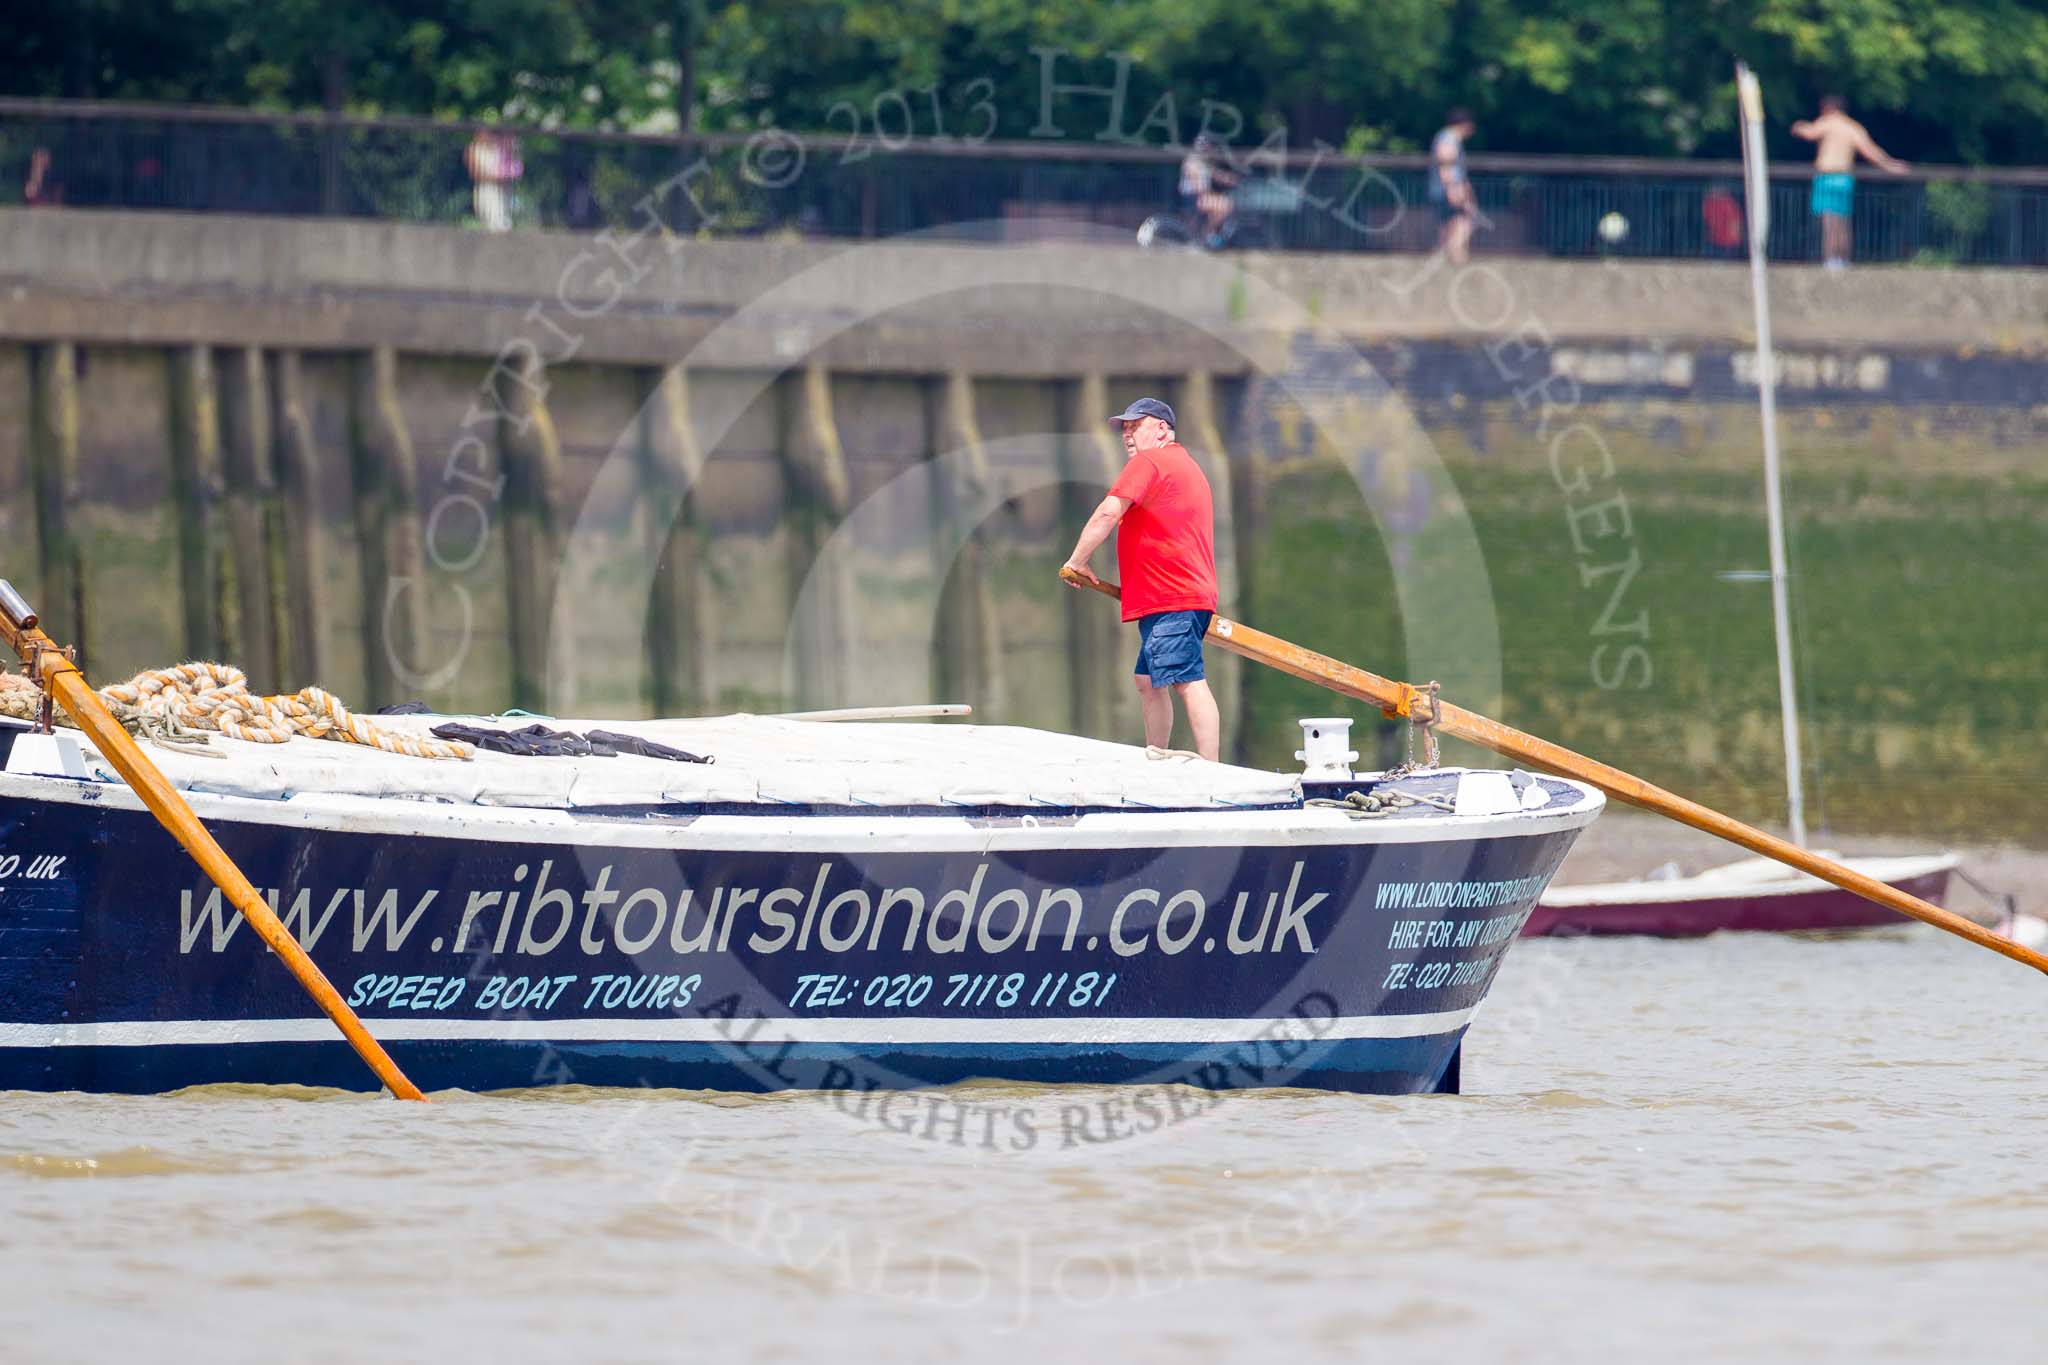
pixel 1170 646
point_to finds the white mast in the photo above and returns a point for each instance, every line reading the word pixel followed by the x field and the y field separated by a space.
pixel 1757 190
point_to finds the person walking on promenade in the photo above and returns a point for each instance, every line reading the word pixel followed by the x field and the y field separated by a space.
pixel 1841 140
pixel 1450 188
pixel 1165 522
pixel 494 171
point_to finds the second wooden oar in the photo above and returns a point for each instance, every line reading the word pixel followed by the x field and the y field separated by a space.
pixel 1399 699
pixel 935 711
pixel 50 669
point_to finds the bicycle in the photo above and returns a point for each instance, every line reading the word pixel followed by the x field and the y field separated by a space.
pixel 1239 231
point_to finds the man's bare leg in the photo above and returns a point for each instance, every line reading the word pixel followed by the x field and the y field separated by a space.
pixel 1200 704
pixel 1835 237
pixel 1458 241
pixel 1157 706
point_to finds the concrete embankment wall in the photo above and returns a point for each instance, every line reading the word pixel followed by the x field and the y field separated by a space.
pixel 629 472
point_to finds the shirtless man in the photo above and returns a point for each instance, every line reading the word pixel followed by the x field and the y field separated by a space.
pixel 1841 140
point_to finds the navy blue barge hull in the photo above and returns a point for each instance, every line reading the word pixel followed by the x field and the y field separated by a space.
pixel 492 949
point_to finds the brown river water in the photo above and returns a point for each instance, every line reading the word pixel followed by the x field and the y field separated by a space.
pixel 1738 1148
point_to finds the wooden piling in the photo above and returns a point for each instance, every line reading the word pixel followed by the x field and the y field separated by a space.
pixel 1101 699
pixel 302 639
pixel 20 540
pixel 969 658
pixel 53 480
pixel 1200 429
pixel 680 611
pixel 530 453
pixel 208 608
pixel 820 495
pixel 388 523
pixel 1246 472
pixel 251 493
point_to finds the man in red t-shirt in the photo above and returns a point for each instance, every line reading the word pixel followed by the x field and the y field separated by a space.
pixel 1165 528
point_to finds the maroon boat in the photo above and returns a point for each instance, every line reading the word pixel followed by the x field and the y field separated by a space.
pixel 1755 893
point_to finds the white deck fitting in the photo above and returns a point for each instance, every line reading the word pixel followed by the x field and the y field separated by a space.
pixel 760 760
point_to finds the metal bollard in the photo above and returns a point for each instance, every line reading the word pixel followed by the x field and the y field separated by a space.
pixel 20 614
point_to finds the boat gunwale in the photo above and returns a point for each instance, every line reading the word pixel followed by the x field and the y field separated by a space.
pixel 1052 827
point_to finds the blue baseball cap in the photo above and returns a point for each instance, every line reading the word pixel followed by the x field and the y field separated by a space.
pixel 1146 407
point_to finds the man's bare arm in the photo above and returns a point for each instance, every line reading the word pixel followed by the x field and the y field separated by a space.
pixel 1101 522
pixel 1868 146
pixel 1807 129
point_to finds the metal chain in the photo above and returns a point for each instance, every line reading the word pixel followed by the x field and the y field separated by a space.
pixel 1382 803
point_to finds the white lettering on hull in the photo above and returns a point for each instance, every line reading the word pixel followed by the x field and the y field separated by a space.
pixel 559 920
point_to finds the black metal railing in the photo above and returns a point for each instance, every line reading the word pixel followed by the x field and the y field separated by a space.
pixel 208 160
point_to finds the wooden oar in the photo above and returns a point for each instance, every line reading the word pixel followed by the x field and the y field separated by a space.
pixel 1399 699
pixel 59 677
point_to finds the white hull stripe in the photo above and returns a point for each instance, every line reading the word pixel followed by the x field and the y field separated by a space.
pixel 861 1032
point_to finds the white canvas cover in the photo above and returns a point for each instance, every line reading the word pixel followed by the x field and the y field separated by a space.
pixel 759 760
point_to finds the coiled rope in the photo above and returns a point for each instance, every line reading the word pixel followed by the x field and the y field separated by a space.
pixel 179 704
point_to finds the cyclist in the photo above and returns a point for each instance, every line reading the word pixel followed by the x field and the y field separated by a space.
pixel 1204 190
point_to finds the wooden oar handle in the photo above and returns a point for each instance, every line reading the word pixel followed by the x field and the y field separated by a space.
pixel 1396 700
pixel 1083 578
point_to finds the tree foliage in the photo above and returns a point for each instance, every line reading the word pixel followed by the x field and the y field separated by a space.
pixel 1935 79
